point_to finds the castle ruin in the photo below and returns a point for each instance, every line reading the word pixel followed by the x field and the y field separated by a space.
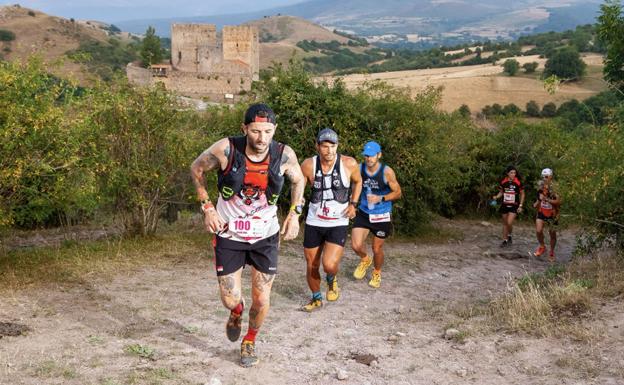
pixel 204 66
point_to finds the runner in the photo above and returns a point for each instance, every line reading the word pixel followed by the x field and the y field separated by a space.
pixel 336 186
pixel 380 188
pixel 512 191
pixel 250 171
pixel 547 204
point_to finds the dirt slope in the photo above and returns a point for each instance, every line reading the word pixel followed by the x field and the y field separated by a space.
pixel 80 332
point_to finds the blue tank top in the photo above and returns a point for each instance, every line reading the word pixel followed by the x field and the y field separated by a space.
pixel 378 186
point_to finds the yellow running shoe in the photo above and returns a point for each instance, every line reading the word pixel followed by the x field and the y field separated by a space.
pixel 313 305
pixel 375 280
pixel 360 270
pixel 333 291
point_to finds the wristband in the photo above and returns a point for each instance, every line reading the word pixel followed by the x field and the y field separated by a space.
pixel 383 198
pixel 354 203
pixel 206 205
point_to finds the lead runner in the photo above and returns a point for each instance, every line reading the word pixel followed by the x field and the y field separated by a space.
pixel 251 170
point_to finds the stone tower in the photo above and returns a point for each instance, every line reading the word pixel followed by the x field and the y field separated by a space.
pixel 240 43
pixel 192 45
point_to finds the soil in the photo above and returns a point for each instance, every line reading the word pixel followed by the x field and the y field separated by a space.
pixel 166 325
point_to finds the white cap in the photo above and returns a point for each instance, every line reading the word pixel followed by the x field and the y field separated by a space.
pixel 547 172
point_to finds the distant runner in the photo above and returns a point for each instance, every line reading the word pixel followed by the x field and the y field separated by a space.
pixel 379 189
pixel 251 170
pixel 547 204
pixel 336 186
pixel 512 192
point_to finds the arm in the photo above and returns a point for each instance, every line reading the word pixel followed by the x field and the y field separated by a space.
pixel 212 159
pixel 356 185
pixel 293 172
pixel 522 196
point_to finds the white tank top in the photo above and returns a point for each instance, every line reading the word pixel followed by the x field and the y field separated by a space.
pixel 328 212
pixel 248 223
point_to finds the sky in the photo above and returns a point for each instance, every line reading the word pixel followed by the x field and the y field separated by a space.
pixel 119 10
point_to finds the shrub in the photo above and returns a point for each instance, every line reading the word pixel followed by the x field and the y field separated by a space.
pixel 549 110
pixel 511 67
pixel 6 35
pixel 532 109
pixel 530 67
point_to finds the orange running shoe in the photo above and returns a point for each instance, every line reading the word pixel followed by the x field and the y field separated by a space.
pixel 539 251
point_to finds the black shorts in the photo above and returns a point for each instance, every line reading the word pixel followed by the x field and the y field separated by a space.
pixel 314 236
pixel 232 255
pixel 381 230
pixel 550 221
pixel 508 209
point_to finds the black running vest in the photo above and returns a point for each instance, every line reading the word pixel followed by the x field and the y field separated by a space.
pixel 341 193
pixel 230 180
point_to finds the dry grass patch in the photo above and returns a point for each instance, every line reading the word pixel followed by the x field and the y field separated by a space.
pixel 74 262
pixel 556 301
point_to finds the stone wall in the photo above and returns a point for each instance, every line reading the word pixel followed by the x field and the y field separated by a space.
pixel 240 43
pixel 187 41
pixel 139 75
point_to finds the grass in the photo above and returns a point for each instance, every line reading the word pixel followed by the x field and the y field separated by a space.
pixel 556 301
pixel 140 351
pixel 52 369
pixel 72 262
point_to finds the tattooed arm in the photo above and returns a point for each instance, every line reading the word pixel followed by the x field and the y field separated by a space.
pixel 292 170
pixel 215 157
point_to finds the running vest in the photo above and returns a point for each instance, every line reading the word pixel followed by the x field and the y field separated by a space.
pixel 230 181
pixel 511 191
pixel 546 208
pixel 378 186
pixel 329 196
pixel 245 187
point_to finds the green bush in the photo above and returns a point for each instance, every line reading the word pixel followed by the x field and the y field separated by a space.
pixel 6 35
pixel 532 109
pixel 511 67
pixel 45 173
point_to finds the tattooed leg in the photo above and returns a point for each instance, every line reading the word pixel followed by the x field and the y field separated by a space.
pixel 230 287
pixel 260 295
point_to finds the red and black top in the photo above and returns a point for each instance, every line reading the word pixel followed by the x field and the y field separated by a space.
pixel 511 191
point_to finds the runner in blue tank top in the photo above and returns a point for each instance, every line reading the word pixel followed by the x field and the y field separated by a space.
pixel 379 189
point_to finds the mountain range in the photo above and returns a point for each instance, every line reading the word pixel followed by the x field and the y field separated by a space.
pixel 414 19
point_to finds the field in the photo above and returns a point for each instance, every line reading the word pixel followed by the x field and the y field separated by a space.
pixel 148 312
pixel 480 85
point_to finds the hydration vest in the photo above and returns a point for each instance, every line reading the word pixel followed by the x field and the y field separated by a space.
pixel 339 192
pixel 230 181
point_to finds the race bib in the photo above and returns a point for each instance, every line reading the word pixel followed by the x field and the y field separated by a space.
pixel 376 218
pixel 247 227
pixel 509 198
pixel 547 205
pixel 330 212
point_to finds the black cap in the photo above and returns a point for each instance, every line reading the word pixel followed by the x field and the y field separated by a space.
pixel 259 112
pixel 327 135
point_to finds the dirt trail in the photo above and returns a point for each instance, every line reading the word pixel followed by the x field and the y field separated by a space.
pixel 80 333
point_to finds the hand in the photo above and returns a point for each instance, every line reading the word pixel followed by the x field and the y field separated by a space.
pixel 519 209
pixel 213 221
pixel 372 198
pixel 349 212
pixel 290 227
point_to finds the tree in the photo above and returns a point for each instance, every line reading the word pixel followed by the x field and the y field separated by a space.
pixel 511 109
pixel 610 30
pixel 532 109
pixel 549 110
pixel 464 111
pixel 511 67
pixel 530 67
pixel 565 63
pixel 151 51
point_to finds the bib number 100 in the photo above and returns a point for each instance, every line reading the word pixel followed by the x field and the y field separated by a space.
pixel 242 225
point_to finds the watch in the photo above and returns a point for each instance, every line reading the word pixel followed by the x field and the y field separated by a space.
pixel 297 209
pixel 354 203
pixel 206 205
pixel 383 198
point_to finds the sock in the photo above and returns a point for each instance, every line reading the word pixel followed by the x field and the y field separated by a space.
pixel 317 296
pixel 366 259
pixel 377 271
pixel 238 309
pixel 330 278
pixel 251 335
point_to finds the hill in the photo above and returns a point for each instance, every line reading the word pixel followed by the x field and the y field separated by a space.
pixel 408 21
pixel 52 38
pixel 280 34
